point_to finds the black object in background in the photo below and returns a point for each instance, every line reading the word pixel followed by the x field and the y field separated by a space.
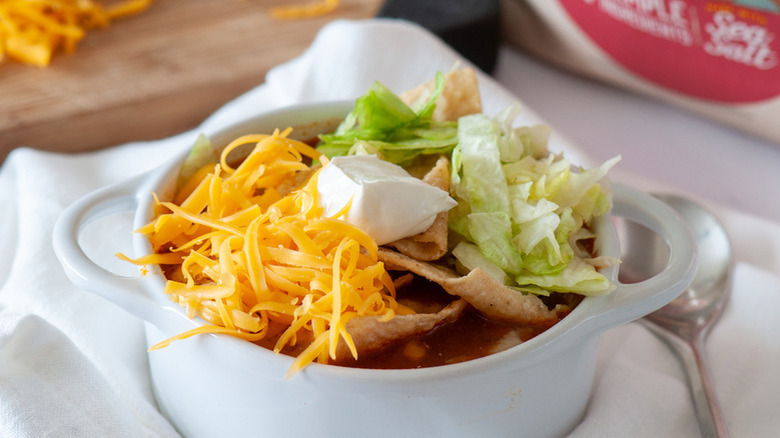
pixel 471 27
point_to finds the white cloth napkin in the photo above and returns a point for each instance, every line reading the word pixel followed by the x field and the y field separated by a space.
pixel 73 364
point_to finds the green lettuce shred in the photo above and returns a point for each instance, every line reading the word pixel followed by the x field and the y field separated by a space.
pixel 381 123
pixel 201 154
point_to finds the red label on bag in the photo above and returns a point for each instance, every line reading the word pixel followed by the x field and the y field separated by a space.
pixel 715 50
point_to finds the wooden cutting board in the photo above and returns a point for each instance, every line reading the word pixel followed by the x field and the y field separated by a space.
pixel 153 75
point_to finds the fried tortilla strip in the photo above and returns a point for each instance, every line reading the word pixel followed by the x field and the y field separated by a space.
pixel 369 334
pixel 460 96
pixel 481 290
pixel 431 244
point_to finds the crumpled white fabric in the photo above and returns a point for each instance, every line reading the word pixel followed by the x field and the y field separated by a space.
pixel 73 364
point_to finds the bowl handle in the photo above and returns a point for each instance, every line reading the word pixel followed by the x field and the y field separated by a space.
pixel 126 292
pixel 676 276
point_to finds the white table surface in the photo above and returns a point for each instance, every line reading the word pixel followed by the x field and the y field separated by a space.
pixel 657 141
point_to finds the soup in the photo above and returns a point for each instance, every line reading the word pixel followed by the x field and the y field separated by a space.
pixel 418 244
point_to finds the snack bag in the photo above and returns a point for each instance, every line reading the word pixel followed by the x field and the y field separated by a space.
pixel 720 59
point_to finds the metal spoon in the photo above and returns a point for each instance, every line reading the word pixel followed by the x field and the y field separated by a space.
pixel 685 322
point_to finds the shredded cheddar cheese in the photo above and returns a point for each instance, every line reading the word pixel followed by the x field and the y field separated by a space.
pixel 246 255
pixel 32 31
pixel 313 9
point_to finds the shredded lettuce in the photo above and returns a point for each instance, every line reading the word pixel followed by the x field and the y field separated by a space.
pixel 201 154
pixel 382 124
pixel 469 257
pixel 523 208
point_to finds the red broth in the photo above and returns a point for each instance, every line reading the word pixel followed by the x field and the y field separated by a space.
pixel 469 337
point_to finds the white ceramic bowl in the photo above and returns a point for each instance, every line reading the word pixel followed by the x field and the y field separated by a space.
pixel 213 385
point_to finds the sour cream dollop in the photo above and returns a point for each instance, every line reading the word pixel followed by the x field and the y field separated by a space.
pixel 387 202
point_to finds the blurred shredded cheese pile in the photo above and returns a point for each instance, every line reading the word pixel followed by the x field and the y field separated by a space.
pixel 246 255
pixel 313 9
pixel 32 31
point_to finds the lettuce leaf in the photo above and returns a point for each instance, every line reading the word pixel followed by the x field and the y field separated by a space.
pixel 469 257
pixel 523 208
pixel 381 123
pixel 577 276
pixel 201 154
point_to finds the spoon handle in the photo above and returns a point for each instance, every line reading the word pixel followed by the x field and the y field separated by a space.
pixel 705 400
pixel 693 357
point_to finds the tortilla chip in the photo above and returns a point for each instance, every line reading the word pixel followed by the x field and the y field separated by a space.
pixel 431 244
pixel 369 334
pixel 479 289
pixel 439 175
pixel 460 96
